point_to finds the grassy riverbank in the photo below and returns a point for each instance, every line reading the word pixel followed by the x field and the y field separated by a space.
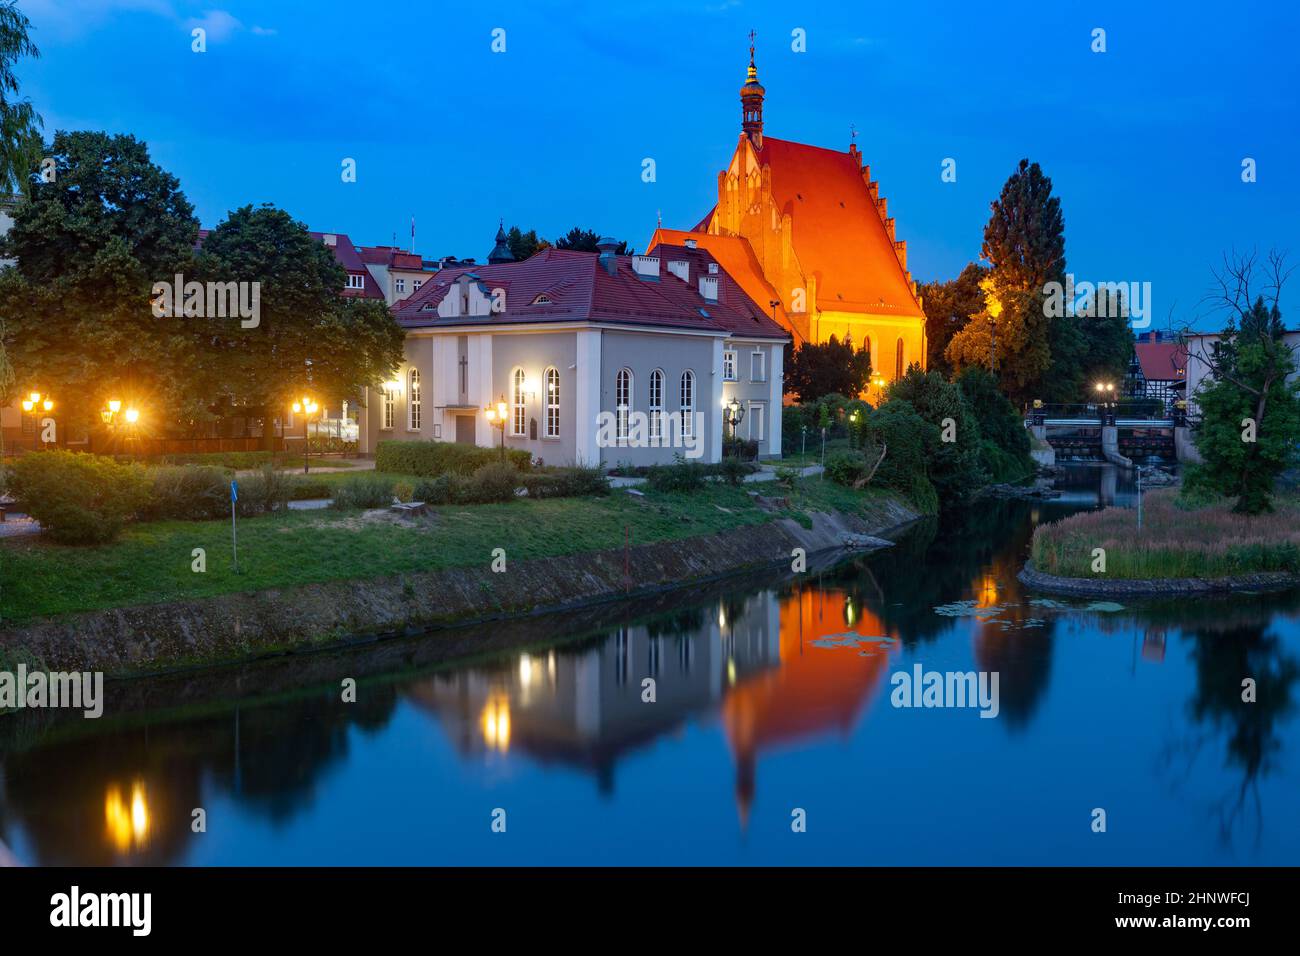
pixel 1205 542
pixel 152 562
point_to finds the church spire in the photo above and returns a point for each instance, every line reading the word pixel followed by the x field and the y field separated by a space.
pixel 501 252
pixel 751 101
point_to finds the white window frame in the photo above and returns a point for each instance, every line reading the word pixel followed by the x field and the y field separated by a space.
pixel 686 394
pixel 356 281
pixel 623 392
pixel 414 401
pixel 551 382
pixel 761 357
pixel 415 284
pixel 656 404
pixel 400 284
pixel 518 404
pixel 757 410
pixel 730 359
pixel 387 410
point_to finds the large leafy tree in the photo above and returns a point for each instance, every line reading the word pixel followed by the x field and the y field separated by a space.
pixel 1250 413
pixel 524 244
pixel 1024 241
pixel 1108 336
pixel 20 125
pixel 948 307
pixel 815 369
pixel 308 339
pixel 89 246
pixel 584 240
pixel 954 458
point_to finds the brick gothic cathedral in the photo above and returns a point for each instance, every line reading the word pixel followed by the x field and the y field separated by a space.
pixel 805 231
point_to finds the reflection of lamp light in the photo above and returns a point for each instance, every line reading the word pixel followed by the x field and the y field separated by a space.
pixel 525 669
pixel 496 721
pixel 127 824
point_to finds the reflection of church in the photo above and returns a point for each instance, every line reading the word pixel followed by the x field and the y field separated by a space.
pixel 805 232
pixel 763 664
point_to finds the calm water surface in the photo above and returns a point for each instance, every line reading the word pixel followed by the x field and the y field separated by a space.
pixel 772 694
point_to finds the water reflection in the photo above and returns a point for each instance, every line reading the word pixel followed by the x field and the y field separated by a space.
pixel 769 668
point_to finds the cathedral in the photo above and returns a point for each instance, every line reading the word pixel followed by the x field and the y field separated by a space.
pixel 805 231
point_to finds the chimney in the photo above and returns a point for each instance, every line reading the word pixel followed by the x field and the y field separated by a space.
pixel 1151 336
pixel 330 239
pixel 680 268
pixel 608 254
pixel 709 288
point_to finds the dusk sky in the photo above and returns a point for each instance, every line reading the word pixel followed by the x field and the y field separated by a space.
pixel 1144 143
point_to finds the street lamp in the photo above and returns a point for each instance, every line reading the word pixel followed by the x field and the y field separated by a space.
pixel 308 408
pixel 113 416
pixel 733 413
pixel 496 417
pixel 35 402
pixel 1105 399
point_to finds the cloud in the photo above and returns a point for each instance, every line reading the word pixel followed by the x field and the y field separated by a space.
pixel 218 24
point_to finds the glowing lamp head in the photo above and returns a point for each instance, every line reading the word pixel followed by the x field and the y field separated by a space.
pixel 491 414
pixel 297 407
pixel 132 416
pixel 34 398
pixel 114 406
pixel 27 405
pixel 501 410
pixel 47 405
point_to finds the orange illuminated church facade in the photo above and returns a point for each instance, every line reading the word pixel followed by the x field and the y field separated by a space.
pixel 806 233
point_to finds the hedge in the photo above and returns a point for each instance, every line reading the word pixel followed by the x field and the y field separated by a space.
pixel 429 459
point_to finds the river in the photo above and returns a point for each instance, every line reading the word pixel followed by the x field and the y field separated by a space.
pixel 772 737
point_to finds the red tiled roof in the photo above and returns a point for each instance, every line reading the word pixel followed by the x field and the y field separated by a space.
pixel 838 233
pixel 1162 361
pixel 581 290
pixel 392 256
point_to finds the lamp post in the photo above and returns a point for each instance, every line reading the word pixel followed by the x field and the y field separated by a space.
pixel 115 417
pixel 733 413
pixel 1105 400
pixel 34 402
pixel 308 408
pixel 496 417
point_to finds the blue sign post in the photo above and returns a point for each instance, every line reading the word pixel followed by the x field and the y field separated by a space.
pixel 234 537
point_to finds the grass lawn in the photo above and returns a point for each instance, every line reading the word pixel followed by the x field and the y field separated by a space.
pixel 151 562
pixel 1208 542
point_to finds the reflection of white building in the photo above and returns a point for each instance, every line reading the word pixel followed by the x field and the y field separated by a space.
pixel 584 705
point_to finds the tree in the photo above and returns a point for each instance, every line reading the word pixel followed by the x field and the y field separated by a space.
pixel 954 458
pixel 948 307
pixel 1250 412
pixel 815 369
pixel 20 125
pixel 308 339
pixel 584 240
pixel 1108 336
pixel 1024 241
pixel 523 245
pixel 89 246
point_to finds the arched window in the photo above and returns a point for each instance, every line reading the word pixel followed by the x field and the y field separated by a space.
pixel 898 359
pixel 622 403
pixel 388 410
pixel 688 403
pixel 414 407
pixel 552 403
pixel 519 416
pixel 656 405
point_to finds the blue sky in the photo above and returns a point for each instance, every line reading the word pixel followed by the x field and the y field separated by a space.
pixel 1144 142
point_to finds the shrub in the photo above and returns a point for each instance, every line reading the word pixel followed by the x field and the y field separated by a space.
pixel 363 491
pixel 846 467
pixel 566 483
pixel 907 436
pixel 744 449
pixel 734 470
pixel 78 498
pixel 428 459
pixel 304 488
pixel 268 490
pixel 494 482
pixel 443 490
pixel 404 491
pixel 188 493
pixel 681 475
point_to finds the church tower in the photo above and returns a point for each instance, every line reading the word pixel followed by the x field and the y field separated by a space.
pixel 751 102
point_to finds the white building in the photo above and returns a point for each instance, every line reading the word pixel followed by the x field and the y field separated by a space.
pixel 598 359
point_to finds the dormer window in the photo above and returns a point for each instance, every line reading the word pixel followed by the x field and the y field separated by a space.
pixel 542 299
pixel 356 281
